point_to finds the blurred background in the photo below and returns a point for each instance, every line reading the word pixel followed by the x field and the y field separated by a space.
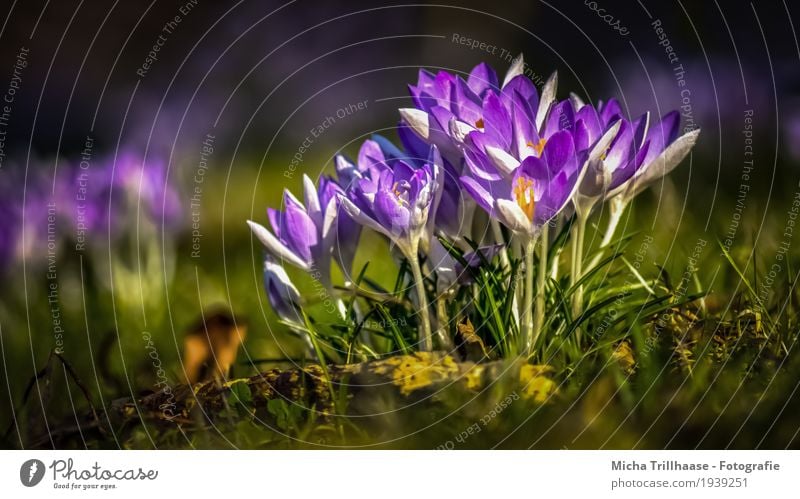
pixel 136 139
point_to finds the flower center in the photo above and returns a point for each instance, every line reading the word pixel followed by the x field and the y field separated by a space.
pixel 539 146
pixel 523 195
pixel 400 192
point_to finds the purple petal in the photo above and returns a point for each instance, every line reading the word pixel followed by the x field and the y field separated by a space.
pixel 559 152
pixel 276 221
pixel 300 232
pixel 561 117
pixel 391 212
pixel 610 112
pixel 497 121
pixel 662 135
pixel 482 78
pixel 466 105
pixel 521 89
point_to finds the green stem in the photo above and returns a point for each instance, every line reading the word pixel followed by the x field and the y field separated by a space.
pixel 540 288
pixel 614 216
pixel 426 336
pixel 577 263
pixel 527 310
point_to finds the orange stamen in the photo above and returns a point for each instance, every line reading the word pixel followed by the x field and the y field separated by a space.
pixel 539 146
pixel 523 195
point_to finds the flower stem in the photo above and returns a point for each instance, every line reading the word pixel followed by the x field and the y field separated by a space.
pixel 538 321
pixel 528 306
pixel 426 337
pixel 577 266
pixel 616 210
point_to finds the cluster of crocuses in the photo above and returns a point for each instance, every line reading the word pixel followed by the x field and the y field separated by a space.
pixel 524 157
pixel 91 205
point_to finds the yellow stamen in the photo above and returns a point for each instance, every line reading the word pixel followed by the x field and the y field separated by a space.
pixel 523 195
pixel 479 123
pixel 398 195
pixel 605 153
pixel 539 146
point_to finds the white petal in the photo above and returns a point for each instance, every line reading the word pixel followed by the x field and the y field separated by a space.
pixel 664 163
pixel 517 68
pixel 504 162
pixel 276 247
pixel 513 217
pixel 577 102
pixel 291 196
pixel 312 199
pixel 328 223
pixel 601 146
pixel 362 218
pixel 646 128
pixel 459 130
pixel 417 120
pixel 345 170
pixel 547 99
pixel 287 287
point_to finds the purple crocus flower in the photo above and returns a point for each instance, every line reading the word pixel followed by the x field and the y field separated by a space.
pixel 454 212
pixel 661 151
pixel 446 123
pixel 304 234
pixel 398 200
pixel 535 192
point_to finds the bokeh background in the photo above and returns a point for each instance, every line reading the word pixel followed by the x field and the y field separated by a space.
pixel 242 98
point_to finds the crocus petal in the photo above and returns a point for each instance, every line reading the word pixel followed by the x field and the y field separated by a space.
pixel 512 216
pixel 559 152
pixel 662 134
pixel 517 68
pixel 664 163
pixel 311 198
pixel 459 130
pixel 478 192
pixel 276 221
pixel 300 232
pixel 497 121
pixel 412 143
pixel 575 99
pixel 555 197
pixel 391 213
pixel 482 78
pixel 281 292
pixel 611 111
pixel 504 162
pixel 548 98
pixel 560 117
pixel 466 105
pixel 276 247
pixel 417 120
pixel 358 215
pixel 346 170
